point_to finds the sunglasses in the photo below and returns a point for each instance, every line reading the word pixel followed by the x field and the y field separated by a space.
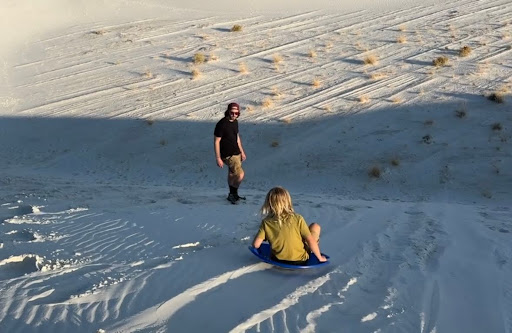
pixel 234 113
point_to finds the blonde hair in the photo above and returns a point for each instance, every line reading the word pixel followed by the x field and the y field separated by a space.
pixel 278 204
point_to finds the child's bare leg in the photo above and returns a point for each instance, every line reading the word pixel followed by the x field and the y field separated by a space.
pixel 315 229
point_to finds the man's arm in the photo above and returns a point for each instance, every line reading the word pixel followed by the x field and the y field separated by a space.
pixel 239 141
pixel 216 148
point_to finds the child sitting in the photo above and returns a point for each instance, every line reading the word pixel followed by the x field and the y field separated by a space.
pixel 291 240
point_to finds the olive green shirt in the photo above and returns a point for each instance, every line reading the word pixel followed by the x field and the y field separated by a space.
pixel 286 239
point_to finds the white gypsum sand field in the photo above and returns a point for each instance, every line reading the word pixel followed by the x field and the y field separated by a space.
pixel 113 212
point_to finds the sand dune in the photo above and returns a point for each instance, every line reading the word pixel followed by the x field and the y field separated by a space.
pixel 113 212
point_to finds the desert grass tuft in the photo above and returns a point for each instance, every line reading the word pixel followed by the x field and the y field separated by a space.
pixel 267 103
pixel 312 53
pixel 316 83
pixel 460 114
pixel 374 172
pixel 199 58
pixel 487 194
pixel 378 76
pixel 440 61
pixel 236 28
pixel 327 108
pixel 277 59
pixel 242 67
pixel 496 97
pixel 100 32
pixel 402 27
pixel 497 127
pixel 395 162
pixel 148 74
pixel 277 93
pixel 286 120
pixel 371 59
pixel 401 39
pixel 196 74
pixel 397 100
pixel 212 57
pixel 364 99
pixel 465 51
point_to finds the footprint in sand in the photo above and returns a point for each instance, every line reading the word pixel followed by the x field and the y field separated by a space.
pixel 17 236
pixel 15 211
pixel 16 266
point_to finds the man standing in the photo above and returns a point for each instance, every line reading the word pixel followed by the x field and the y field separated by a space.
pixel 228 149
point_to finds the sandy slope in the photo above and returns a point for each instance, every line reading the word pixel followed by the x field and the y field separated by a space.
pixel 114 214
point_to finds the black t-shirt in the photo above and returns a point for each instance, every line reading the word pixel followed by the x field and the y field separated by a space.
pixel 228 132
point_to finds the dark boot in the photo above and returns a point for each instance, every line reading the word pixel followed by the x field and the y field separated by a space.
pixel 232 198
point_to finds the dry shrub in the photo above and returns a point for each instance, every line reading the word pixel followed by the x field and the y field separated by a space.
pixel 440 61
pixel 374 172
pixel 460 114
pixel 497 97
pixel 364 99
pixel 199 58
pixel 497 127
pixel 267 103
pixel 402 27
pixel 397 100
pixel 196 73
pixel 316 83
pixel 147 74
pixel 274 144
pixel 371 59
pixel 243 68
pixel 99 32
pixel 286 120
pixel 327 108
pixel 212 57
pixel 428 122
pixel 395 162
pixel 163 142
pixel 464 51
pixel 378 76
pixel 328 45
pixel 150 121
pixel 401 39
pixel 312 54
pixel 276 92
pixel 487 194
pixel 277 59
pixel 427 139
pixel 236 28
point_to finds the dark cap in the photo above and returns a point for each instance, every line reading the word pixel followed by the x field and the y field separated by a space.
pixel 232 106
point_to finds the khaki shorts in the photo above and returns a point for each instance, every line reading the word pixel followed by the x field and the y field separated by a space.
pixel 234 163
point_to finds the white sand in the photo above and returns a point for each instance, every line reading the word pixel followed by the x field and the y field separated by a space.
pixel 113 211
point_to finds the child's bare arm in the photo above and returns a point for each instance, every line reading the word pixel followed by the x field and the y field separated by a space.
pixel 313 245
pixel 257 242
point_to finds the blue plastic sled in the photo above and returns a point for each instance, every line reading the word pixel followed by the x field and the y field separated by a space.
pixel 264 254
